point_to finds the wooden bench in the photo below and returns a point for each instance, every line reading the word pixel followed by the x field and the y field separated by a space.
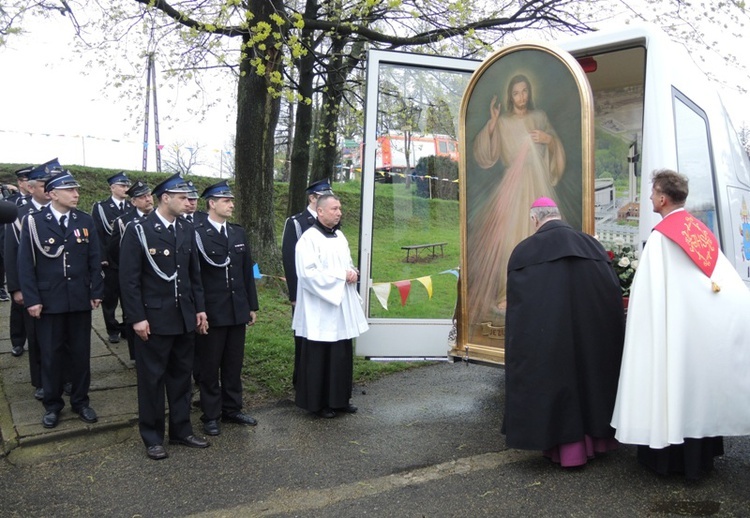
pixel 417 248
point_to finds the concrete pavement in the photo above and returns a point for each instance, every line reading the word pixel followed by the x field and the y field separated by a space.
pixel 112 393
pixel 425 442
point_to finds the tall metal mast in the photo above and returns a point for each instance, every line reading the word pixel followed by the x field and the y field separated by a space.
pixel 151 77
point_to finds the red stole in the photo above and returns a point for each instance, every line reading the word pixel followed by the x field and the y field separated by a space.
pixel 693 237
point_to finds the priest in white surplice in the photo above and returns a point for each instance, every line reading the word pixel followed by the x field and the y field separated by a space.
pixel 328 314
pixel 685 375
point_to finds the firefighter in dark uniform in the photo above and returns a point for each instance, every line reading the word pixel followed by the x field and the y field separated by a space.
pixel 231 303
pixel 11 234
pixel 21 196
pixel 162 297
pixel 194 216
pixel 143 203
pixel 17 196
pixel 61 280
pixel 22 325
pixel 294 226
pixel 104 213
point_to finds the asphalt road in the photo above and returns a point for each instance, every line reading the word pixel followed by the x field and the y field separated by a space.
pixel 425 443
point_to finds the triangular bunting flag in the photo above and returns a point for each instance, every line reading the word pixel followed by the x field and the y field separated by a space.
pixel 256 271
pixel 382 291
pixel 404 288
pixel 427 282
pixel 454 272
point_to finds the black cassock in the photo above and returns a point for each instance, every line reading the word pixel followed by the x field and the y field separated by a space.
pixel 324 379
pixel 565 328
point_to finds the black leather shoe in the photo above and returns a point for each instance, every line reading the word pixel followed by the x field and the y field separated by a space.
pixel 87 415
pixel 326 413
pixel 156 452
pixel 114 338
pixel 39 394
pixel 239 418
pixel 191 441
pixel 68 388
pixel 16 350
pixel 50 419
pixel 211 427
pixel 350 409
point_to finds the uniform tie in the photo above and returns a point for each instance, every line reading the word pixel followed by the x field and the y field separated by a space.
pixel 122 206
pixel 189 217
pixel 170 229
pixel 223 231
pixel 63 226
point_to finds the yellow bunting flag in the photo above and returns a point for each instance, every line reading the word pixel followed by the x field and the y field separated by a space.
pixel 427 283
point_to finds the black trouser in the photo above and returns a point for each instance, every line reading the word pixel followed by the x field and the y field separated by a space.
pixel 130 337
pixel 65 339
pixel 298 341
pixel 164 363
pixel 220 354
pixel 110 300
pixel 35 353
pixel 2 256
pixel 17 327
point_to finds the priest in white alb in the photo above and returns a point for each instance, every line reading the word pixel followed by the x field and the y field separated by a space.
pixel 328 314
pixel 685 375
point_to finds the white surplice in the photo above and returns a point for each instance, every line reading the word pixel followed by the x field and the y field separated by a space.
pixel 686 363
pixel 328 309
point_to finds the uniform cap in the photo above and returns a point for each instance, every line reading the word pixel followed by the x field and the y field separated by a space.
pixel 24 172
pixel 119 178
pixel 218 190
pixel 319 187
pixel 543 202
pixel 139 188
pixel 193 193
pixel 61 180
pixel 174 183
pixel 42 171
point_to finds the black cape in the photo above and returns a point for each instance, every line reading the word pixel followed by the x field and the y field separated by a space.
pixel 565 328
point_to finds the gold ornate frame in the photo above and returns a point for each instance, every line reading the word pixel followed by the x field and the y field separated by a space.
pixel 559 73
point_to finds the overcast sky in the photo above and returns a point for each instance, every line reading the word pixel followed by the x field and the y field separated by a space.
pixel 50 109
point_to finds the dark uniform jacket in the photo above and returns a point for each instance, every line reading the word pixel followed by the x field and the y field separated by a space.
pixel 294 227
pixel 12 238
pixel 69 282
pixel 145 295
pixel 118 230
pixel 230 290
pixel 104 213
pixel 198 217
pixel 19 199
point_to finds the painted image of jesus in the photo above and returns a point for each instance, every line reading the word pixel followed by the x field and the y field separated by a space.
pixel 520 137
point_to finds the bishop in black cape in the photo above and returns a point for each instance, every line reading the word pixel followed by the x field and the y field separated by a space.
pixel 564 340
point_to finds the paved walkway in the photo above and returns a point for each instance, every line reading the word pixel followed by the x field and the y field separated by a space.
pixel 112 393
pixel 425 442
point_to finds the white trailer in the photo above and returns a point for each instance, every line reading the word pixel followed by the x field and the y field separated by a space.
pixel 647 94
